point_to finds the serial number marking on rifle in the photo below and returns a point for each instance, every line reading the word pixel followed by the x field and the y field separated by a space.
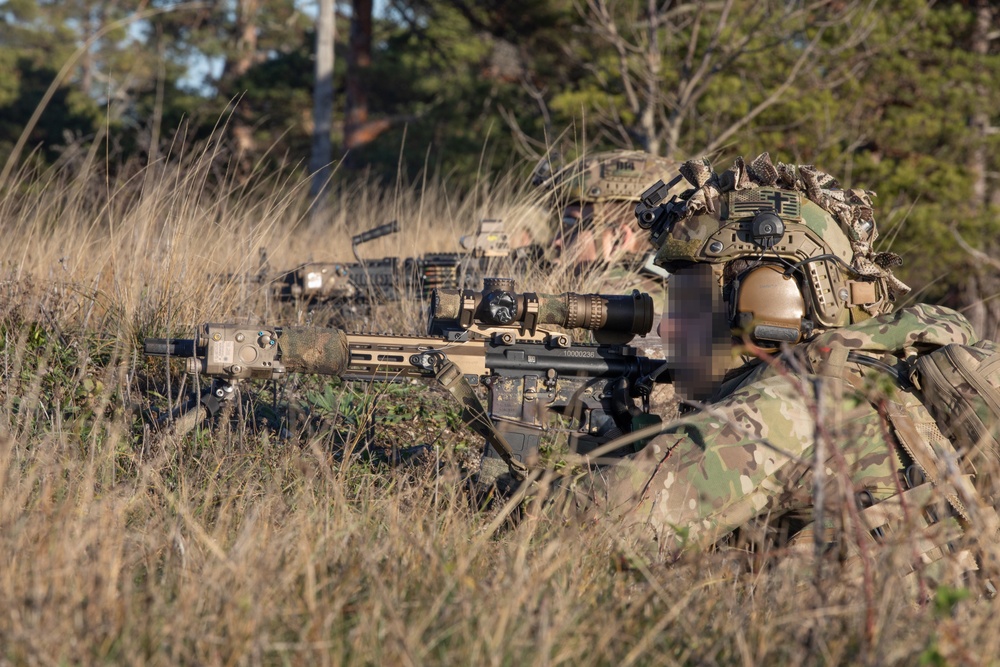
pixel 223 352
pixel 581 354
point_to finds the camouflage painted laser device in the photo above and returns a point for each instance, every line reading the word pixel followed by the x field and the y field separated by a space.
pixel 516 346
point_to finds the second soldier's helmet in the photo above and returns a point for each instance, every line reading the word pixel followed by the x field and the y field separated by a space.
pixel 605 176
pixel 793 250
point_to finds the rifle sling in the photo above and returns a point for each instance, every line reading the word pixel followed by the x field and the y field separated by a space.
pixel 475 415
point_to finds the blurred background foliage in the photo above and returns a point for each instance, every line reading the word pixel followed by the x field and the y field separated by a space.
pixel 897 97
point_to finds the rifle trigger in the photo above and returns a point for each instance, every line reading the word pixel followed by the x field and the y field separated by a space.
pixel 621 402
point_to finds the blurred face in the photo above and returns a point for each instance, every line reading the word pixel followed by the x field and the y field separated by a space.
pixel 599 230
pixel 695 332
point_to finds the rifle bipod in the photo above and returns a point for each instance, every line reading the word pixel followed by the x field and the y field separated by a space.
pixel 210 403
pixel 218 401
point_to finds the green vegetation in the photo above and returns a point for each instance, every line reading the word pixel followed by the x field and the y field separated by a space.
pixel 330 523
pixel 894 97
pixel 338 528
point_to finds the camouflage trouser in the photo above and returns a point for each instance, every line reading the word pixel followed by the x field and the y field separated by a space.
pixel 751 455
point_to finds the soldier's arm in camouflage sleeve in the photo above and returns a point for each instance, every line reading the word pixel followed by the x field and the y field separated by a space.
pixel 752 453
pixel 747 456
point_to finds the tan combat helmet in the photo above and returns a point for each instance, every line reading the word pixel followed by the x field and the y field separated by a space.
pixel 794 249
pixel 598 190
pixel 605 176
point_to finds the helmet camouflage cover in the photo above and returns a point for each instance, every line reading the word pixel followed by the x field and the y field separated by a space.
pixel 794 215
pixel 609 176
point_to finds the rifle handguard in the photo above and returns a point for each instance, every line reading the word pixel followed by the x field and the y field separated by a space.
pixel 309 350
pixel 525 378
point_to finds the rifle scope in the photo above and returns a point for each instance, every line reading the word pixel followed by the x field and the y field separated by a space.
pixel 499 305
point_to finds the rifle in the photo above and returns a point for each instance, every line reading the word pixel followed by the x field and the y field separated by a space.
pixel 394 278
pixel 516 346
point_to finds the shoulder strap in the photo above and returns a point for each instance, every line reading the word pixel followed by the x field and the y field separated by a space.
pixel 939 461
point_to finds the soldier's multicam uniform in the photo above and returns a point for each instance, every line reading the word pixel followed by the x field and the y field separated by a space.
pixel 751 451
pixel 824 404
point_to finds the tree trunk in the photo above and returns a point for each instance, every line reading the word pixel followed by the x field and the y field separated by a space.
pixel 978 158
pixel 654 100
pixel 87 59
pixel 319 161
pixel 239 60
pixel 359 61
pixel 981 285
pixel 245 37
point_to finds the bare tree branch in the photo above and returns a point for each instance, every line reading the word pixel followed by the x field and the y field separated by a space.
pixel 707 40
pixel 524 144
pixel 978 255
pixel 608 29
pixel 771 99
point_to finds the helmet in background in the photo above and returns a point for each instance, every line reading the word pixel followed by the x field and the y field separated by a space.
pixel 606 176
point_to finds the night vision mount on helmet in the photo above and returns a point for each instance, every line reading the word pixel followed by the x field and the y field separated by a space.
pixel 795 248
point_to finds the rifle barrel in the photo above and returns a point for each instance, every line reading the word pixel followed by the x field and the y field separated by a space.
pixel 375 233
pixel 170 347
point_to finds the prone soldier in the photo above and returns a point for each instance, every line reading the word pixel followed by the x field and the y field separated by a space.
pixel 831 426
pixel 596 196
pixel 778 260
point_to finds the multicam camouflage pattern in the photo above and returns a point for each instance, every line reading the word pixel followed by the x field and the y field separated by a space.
pixel 609 176
pixel 904 333
pixel 962 383
pixel 448 304
pixel 307 350
pixel 570 310
pixel 713 225
pixel 750 454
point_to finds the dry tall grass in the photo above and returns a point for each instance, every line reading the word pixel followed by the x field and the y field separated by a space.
pixel 122 546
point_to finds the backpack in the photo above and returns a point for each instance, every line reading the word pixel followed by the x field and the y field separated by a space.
pixel 961 388
pixel 957 380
